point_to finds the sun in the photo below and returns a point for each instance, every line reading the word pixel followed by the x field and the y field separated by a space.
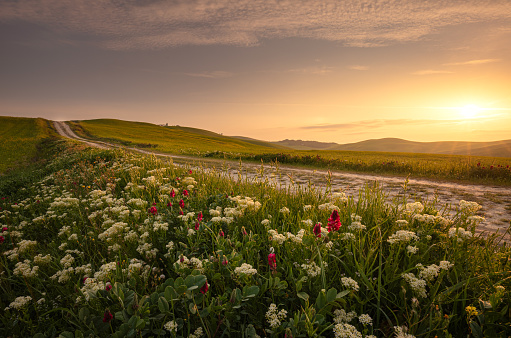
pixel 470 111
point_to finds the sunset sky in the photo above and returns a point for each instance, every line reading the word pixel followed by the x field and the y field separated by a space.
pixel 333 71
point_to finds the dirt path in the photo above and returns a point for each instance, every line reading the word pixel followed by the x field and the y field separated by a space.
pixel 495 201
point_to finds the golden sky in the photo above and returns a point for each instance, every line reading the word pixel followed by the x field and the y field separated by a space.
pixel 333 71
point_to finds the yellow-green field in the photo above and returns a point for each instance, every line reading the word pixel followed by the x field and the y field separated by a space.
pixel 164 139
pixel 190 141
pixel 19 138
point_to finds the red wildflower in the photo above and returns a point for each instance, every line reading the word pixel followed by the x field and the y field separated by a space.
pixel 185 192
pixel 2 239
pixel 182 203
pixel 243 231
pixel 199 218
pixel 221 233
pixel 334 222
pixel 84 279
pixel 181 212
pixel 272 261
pixel 225 262
pixel 108 287
pixel 172 193
pixel 197 224
pixel 154 203
pixel 153 210
pixel 169 204
pixel 107 317
pixel 190 171
pixel 4 229
pixel 317 229
pixel 204 288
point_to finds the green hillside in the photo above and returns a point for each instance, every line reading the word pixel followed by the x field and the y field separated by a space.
pixel 172 139
pixel 19 138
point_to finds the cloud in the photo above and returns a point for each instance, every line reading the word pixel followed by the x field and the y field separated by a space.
pixel 212 75
pixel 312 70
pixel 157 24
pixel 358 67
pixel 375 124
pixel 472 62
pixel 431 72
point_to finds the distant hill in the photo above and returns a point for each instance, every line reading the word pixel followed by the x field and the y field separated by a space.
pixel 306 145
pixel 496 148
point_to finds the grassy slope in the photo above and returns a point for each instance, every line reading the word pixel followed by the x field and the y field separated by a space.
pixel 165 139
pixel 200 142
pixel 19 138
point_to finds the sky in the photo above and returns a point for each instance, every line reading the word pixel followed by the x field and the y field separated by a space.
pixel 331 71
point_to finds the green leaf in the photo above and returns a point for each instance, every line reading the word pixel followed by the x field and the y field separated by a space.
pixel 170 293
pixel 204 312
pixel 476 330
pixel 192 307
pixel 342 294
pixel 67 334
pixel 163 305
pixel 331 295
pixel 321 300
pixel 83 314
pixel 250 291
pixel 303 295
pixel 298 286
pixel 78 334
pixel 140 324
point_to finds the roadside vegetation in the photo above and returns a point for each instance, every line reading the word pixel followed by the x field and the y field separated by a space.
pixel 109 243
pixel 196 142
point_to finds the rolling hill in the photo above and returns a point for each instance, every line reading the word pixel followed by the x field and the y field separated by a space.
pixel 494 149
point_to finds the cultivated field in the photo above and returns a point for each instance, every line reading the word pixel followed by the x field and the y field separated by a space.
pixel 189 141
pixel 110 243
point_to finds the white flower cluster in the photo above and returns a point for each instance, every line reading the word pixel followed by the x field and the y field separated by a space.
pixel 348 236
pixel 64 202
pixel 19 303
pixel 339 197
pixel 403 236
pixel 216 212
pixel 417 285
pixel 245 269
pixel 402 222
pixel 265 222
pixel 328 206
pixel 137 203
pixel 284 210
pixel 41 260
pixel 400 332
pixel 356 226
pixel 197 333
pixel 460 233
pixel 469 208
pixel 184 263
pixel 24 269
pixel 25 245
pixel 413 208
pixel 273 317
pixel 412 249
pixel 475 220
pixel 343 330
pixel 171 326
pixel 365 319
pixel 431 272
pixel 276 237
pixel 312 269
pixel 90 287
pixel 350 283
pixel 245 203
pixel 432 219
pixel 341 316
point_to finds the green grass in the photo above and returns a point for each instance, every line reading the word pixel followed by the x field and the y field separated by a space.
pixel 191 141
pixel 19 140
pixel 115 244
pixel 176 140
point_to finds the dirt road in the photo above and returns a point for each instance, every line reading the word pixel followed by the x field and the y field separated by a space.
pixel 495 201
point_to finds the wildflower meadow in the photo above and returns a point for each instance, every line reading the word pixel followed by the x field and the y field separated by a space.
pixel 108 243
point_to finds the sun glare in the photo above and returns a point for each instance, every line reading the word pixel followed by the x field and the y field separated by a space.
pixel 470 111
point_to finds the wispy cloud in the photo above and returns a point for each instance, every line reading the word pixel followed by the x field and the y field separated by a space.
pixel 312 70
pixel 161 24
pixel 212 74
pixel 431 72
pixel 376 124
pixel 472 62
pixel 358 67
